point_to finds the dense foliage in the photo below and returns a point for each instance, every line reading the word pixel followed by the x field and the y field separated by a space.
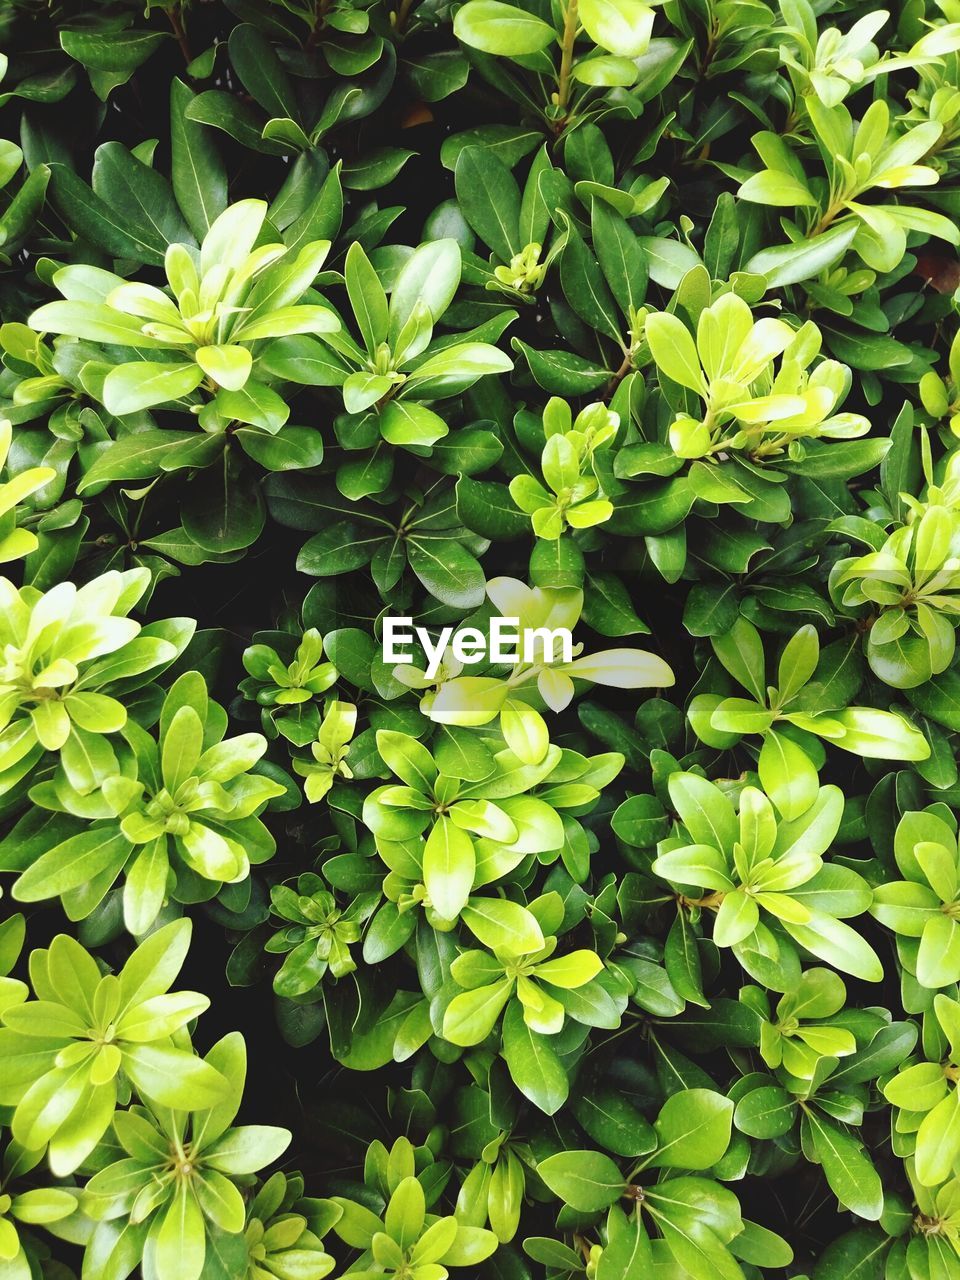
pixel 636 963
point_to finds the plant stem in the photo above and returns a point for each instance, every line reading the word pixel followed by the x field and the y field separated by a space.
pixel 710 901
pixel 832 210
pixel 708 54
pixel 626 365
pixel 566 57
pixel 173 13
pixel 403 13
pixel 319 20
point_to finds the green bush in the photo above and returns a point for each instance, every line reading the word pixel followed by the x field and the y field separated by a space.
pixel 638 960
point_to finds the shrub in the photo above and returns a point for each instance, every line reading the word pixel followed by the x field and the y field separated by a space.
pixel 635 958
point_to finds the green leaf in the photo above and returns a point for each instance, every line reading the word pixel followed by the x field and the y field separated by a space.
pixel 938 1141
pixel 226 513
pixel 449 865
pixel 140 199
pixel 792 263
pixel 620 256
pixel 849 1172
pixel 586 288
pixel 487 508
pixel 668 261
pixel 430 276
pixel 403 423
pixel 741 651
pixel 490 199
pixel 367 297
pixel 776 188
pixel 621 26
pixel 236 117
pixel 263 74
pixel 471 1016
pixel 500 28
pixel 534 1066
pixel 408 759
pixel 503 926
pixel 837 944
pixel 613 1121
pixel 116 51
pixel 766 1112
pixel 180 1240
pixel 145 454
pixel 173 1078
pixel 73 863
pixel 693 1130
pixel 704 810
pixel 247 1148
pixel 787 775
pixel 447 570
pixel 96 322
pixel 228 365
pixel 296 449
pixel 198 175
pixel 144 384
pixel 879 734
pixel 585 1180
pixel 938 960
